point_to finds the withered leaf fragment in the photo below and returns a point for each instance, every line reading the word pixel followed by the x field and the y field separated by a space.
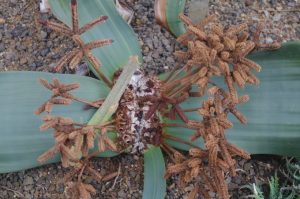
pixel 104 142
pixel 80 190
pixel 49 154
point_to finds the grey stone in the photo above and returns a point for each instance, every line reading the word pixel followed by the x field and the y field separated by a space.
pixel 82 69
pixel 155 55
pixel 2 47
pixel 232 186
pixel 32 66
pixel 28 187
pixel 149 43
pixel 49 44
pixel 44 34
pixel 170 59
pixel 19 31
pixel 269 40
pixel 238 180
pixel 298 32
pixel 247 166
pixel 51 188
pixel 132 174
pixel 249 2
pixel 44 52
pixel 277 17
pixel 10 56
pixel 122 194
pixel 28 196
pixel 147 59
pixel 252 172
pixel 28 180
pixel 23 60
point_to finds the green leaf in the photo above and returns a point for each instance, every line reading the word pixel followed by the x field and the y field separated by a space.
pixel 154 170
pixel 125 43
pixel 21 142
pixel 273 111
pixel 173 9
pixel 274 187
pixel 167 11
pixel 111 103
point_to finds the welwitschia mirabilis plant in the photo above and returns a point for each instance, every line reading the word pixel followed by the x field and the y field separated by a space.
pixel 159 108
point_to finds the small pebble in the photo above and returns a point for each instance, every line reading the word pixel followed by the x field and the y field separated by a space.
pixel 269 40
pixel 28 180
pixel 44 52
pixel 2 47
pixel 2 21
pixel 44 34
pixel 23 61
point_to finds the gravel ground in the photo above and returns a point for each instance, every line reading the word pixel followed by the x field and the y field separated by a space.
pixel 25 45
pixel 281 17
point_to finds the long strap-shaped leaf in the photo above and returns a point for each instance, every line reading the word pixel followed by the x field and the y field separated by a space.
pixel 154 170
pixel 21 142
pixel 125 43
pixel 166 13
pixel 273 111
pixel 111 103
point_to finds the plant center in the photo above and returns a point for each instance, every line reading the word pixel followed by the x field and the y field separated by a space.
pixel 135 131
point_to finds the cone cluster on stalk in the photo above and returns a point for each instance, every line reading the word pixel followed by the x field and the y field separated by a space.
pixel 213 51
pixel 74 142
pixel 83 50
